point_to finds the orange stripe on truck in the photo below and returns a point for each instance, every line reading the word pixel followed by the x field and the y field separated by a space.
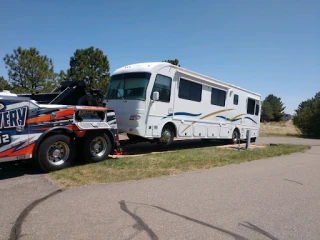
pixel 7 152
pixel 23 151
pixel 47 117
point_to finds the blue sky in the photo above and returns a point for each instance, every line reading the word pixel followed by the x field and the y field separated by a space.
pixel 265 46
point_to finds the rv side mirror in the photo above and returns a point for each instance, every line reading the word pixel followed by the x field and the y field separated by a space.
pixel 155 96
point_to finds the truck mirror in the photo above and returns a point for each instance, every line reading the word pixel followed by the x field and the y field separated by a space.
pixel 155 96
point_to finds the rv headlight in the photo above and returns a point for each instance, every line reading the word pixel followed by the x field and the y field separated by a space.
pixel 134 117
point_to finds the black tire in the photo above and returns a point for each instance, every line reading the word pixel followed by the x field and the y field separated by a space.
pixel 235 137
pixel 253 139
pixel 97 146
pixel 79 153
pixel 56 152
pixel 167 136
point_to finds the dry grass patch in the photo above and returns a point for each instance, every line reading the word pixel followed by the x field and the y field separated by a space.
pixel 285 129
pixel 162 164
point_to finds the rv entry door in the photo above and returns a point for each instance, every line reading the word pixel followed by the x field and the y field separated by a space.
pixel 161 108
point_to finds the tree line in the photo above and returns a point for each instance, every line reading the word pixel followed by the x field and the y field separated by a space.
pixel 30 72
pixel 306 117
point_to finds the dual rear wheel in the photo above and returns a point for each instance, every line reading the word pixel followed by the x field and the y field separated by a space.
pixel 58 151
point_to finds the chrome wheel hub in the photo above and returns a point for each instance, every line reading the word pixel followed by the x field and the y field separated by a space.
pixel 166 136
pixel 58 153
pixel 235 137
pixel 98 146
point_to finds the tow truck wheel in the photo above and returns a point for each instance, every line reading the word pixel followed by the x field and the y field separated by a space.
pixel 97 146
pixel 56 152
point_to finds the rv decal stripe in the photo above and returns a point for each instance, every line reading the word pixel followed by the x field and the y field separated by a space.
pixel 251 120
pixel 237 116
pixel 208 115
pixel 213 113
pixel 186 114
pixel 228 119
pixel 183 114
pixel 236 119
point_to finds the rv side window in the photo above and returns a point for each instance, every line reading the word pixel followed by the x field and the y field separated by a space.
pixel 257 109
pixel 190 90
pixel 250 106
pixel 235 99
pixel 162 85
pixel 218 97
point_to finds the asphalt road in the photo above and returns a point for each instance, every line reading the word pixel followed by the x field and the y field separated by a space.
pixel 20 185
pixel 276 198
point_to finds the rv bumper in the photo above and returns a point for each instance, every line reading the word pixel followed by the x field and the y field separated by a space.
pixel 131 130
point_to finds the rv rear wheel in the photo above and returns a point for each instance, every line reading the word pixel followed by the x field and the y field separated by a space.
pixel 97 146
pixel 167 135
pixel 56 152
pixel 235 137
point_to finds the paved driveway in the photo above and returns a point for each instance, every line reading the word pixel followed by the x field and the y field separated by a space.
pixel 265 199
pixel 303 141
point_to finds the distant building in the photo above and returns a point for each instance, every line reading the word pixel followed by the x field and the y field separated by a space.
pixel 286 117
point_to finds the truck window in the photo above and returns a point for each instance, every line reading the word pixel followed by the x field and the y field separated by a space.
pixel 218 97
pixel 190 90
pixel 162 85
pixel 250 106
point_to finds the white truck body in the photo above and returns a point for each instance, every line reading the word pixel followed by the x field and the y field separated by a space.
pixel 194 105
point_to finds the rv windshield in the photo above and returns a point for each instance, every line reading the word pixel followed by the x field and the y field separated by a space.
pixel 128 86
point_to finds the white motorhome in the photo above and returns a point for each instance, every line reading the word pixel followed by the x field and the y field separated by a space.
pixel 160 101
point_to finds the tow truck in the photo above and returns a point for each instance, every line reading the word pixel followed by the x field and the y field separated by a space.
pixel 51 129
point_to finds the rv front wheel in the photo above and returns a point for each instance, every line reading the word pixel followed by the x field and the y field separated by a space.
pixel 167 135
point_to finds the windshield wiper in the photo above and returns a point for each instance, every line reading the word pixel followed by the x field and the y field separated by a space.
pixel 121 96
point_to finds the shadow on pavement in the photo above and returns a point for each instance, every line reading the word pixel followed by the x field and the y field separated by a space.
pixel 17 169
pixel 144 148
pixel 141 226
pixel 28 167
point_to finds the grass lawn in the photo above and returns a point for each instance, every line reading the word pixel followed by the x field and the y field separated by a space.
pixel 279 129
pixel 161 164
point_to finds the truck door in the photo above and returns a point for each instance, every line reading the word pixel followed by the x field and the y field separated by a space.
pixel 159 110
pixel 14 136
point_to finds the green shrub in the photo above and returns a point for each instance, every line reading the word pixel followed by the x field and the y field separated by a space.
pixel 307 117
